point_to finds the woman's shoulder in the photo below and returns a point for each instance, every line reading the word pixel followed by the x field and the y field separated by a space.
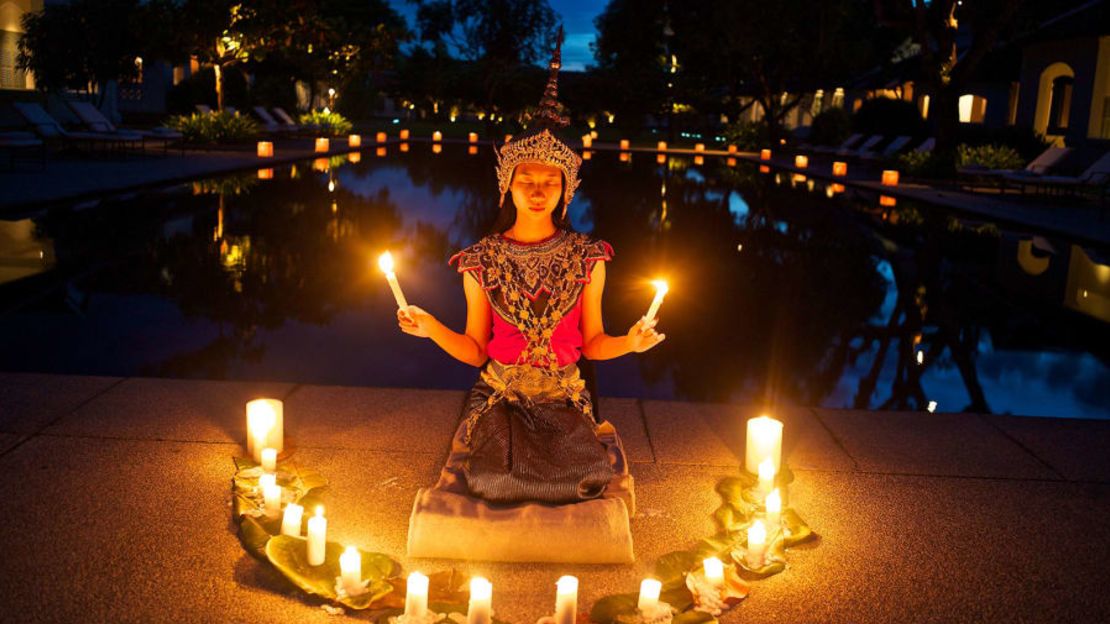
pixel 592 249
pixel 471 255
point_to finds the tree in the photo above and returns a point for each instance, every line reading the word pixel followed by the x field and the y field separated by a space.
pixel 631 58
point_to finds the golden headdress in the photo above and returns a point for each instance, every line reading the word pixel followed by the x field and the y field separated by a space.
pixel 538 143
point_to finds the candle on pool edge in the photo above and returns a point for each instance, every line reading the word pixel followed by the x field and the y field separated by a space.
pixel 479 610
pixel 265 427
pixel 587 141
pixel 381 137
pixel 317 537
pixel 766 476
pixel 714 571
pixel 416 596
pixel 764 440
pixel 890 177
pixel 840 168
pixel 773 507
pixel 661 289
pixel 350 571
pixel 354 140
pixel 322 144
pixel 731 149
pixel 385 263
pixel 661 146
pixel 801 161
pixel 269 459
pixel 649 595
pixel 265 149
pixel 757 544
pixel 699 147
pixel 472 137
pixel 403 134
pixel 566 600
pixel 624 144
pixel 437 136
pixel 291 521
pixel 765 154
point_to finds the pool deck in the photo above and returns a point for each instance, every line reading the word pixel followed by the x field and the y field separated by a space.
pixel 28 187
pixel 116 504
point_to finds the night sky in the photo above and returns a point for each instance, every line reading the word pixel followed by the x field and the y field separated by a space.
pixel 578 21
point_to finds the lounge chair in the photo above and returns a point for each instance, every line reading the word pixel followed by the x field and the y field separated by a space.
pixel 288 121
pixel 95 121
pixel 1000 178
pixel 1097 176
pixel 50 130
pixel 849 142
pixel 203 109
pixel 269 124
pixel 864 148
pixel 926 146
pixel 891 149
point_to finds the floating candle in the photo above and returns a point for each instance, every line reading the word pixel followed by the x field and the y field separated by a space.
pixel 381 137
pixel 624 144
pixel 765 154
pixel 661 146
pixel 404 134
pixel 317 537
pixel 472 137
pixel 840 169
pixel 890 177
pixel 437 136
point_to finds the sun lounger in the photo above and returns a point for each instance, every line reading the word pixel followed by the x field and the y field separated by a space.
pixel 1097 176
pixel 95 121
pixel 864 148
pixel 269 124
pixel 49 129
pixel 1001 178
pixel 926 146
pixel 891 149
pixel 849 142
pixel 203 109
pixel 284 118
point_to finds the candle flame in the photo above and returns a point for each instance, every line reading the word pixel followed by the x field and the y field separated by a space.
pixel 480 588
pixel 660 286
pixel 385 262
pixel 567 584
pixel 774 502
pixel 350 550
pixel 319 511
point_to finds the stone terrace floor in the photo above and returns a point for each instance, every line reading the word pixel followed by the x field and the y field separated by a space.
pixel 116 504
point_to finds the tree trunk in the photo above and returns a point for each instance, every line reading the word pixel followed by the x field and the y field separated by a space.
pixel 219 86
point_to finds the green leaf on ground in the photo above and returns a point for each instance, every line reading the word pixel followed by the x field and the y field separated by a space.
pixel 799 530
pixel 289 555
pixel 254 536
pixel 673 566
pixel 692 617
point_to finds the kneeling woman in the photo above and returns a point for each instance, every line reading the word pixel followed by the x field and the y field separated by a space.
pixel 533 293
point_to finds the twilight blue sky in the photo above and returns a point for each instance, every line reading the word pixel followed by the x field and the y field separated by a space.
pixel 578 21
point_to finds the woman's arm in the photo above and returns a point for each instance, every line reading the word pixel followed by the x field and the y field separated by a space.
pixel 596 344
pixel 469 347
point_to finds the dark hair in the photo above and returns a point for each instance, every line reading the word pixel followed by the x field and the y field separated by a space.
pixel 506 213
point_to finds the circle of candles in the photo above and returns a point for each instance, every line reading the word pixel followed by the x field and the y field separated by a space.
pixel 773 507
pixel 354 140
pixel 437 136
pixel 801 161
pixel 566 600
pixel 757 544
pixel 764 440
pixel 350 571
pixel 291 521
pixel 649 595
pixel 265 426
pixel 322 144
pixel 416 596
pixel 840 168
pixel 317 537
pixel 624 144
pixel 890 177
pixel 714 571
pixel 765 154
pixel 385 263
pixel 479 610
pixel 587 141
pixel 660 291
pixel 661 146
pixel 269 459
pixel 265 149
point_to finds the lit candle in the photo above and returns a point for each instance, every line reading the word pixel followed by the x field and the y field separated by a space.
pixel 661 159
pixel 731 162
pixel 840 168
pixel 766 475
pixel 322 144
pixel 472 137
pixel 472 150
pixel 660 291
pixel 587 141
pixel 350 571
pixel 773 505
pixel 699 147
pixel 801 161
pixel 566 600
pixel 437 136
pixel 437 148
pixel 265 426
pixel 321 164
pixel 385 263
pixel 765 154
pixel 291 521
pixel 757 544
pixel 416 596
pixel 405 148
pixel 265 174
pixel 381 137
pixel 380 152
pixel 890 177
pixel 354 157
pixel 661 146
pixel 624 144
pixel 271 497
pixel 479 610
pixel 354 140
pixel 586 155
pixel 404 134
pixel 625 157
pixel 699 160
pixel 593 134
pixel 764 440
pixel 731 149
pixel 269 459
pixel 714 571
pixel 649 595
pixel 265 149
pixel 317 537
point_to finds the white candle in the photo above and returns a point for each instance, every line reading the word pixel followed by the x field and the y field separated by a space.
pixel 649 595
pixel 317 537
pixel 714 571
pixel 764 440
pixel 773 505
pixel 766 476
pixel 265 426
pixel 480 611
pixel 291 521
pixel 271 496
pixel 416 596
pixel 660 291
pixel 269 459
pixel 757 544
pixel 385 263
pixel 566 600
pixel 350 571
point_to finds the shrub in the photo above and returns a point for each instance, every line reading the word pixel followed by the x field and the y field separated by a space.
pixel 1025 141
pixel 888 117
pixel 925 165
pixel 214 127
pixel 988 156
pixel 747 136
pixel 831 127
pixel 200 88
pixel 329 123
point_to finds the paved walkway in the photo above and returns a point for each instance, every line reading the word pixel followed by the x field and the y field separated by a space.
pixel 116 504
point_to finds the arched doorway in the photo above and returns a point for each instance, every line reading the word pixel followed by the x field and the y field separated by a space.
pixel 1054 101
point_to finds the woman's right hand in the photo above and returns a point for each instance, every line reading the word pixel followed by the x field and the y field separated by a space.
pixel 414 321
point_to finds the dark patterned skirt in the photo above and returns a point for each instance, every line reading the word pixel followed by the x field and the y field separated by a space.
pixel 528 436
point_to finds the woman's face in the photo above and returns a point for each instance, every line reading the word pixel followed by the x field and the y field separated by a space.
pixel 536 190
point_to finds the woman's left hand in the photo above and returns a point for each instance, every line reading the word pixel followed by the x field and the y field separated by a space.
pixel 642 336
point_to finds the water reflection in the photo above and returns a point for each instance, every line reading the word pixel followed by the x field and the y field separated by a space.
pixel 781 291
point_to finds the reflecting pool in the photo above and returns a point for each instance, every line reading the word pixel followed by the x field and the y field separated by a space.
pixel 782 289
